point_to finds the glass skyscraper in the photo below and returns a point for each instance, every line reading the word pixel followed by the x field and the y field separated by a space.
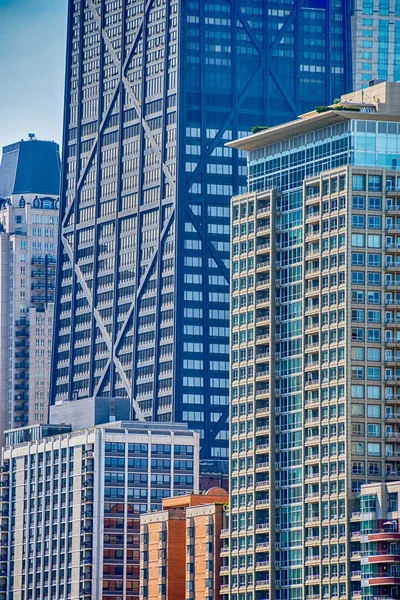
pixel 376 41
pixel 315 347
pixel 153 92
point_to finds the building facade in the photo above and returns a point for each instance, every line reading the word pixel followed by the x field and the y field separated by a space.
pixel 29 197
pixel 375 41
pixel 180 548
pixel 153 92
pixel 71 503
pixel 314 354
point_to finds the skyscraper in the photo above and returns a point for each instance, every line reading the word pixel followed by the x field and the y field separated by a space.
pixel 153 92
pixel 29 197
pixel 375 41
pixel 315 346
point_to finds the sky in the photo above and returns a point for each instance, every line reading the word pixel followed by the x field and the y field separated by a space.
pixel 32 51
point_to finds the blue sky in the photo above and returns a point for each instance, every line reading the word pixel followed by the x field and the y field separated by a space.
pixel 32 50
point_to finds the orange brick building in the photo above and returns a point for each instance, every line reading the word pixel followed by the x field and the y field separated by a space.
pixel 180 548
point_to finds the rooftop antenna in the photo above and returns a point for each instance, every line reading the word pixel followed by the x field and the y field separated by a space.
pixel 31 136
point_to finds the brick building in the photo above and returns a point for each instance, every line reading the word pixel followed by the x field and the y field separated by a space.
pixel 180 548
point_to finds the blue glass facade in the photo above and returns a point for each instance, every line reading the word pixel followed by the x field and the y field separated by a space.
pixel 153 94
pixel 375 34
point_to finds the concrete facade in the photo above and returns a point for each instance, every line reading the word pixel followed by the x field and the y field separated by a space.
pixel 29 184
pixel 315 346
pixel 71 502
pixel 28 247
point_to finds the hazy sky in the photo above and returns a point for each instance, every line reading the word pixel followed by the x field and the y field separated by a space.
pixel 32 49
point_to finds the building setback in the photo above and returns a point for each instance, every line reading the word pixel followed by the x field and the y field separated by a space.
pixel 71 501
pixel 153 92
pixel 29 198
pixel 315 396
pixel 180 548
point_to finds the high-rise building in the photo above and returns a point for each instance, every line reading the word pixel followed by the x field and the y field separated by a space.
pixel 180 548
pixel 29 197
pixel 71 501
pixel 315 344
pixel 375 41
pixel 153 92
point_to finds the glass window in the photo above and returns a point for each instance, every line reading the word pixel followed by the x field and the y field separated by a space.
pixel 357 278
pixel 357 353
pixel 358 259
pixel 358 448
pixel 374 278
pixel 374 260
pixel 359 183
pixel 374 222
pixel 374 335
pixel 374 411
pixel 374 241
pixel 374 430
pixel 374 449
pixel 357 410
pixel 373 392
pixel 358 240
pixel 357 391
pixel 374 203
pixel 358 221
pixel 374 374
pixel 374 183
pixel 374 354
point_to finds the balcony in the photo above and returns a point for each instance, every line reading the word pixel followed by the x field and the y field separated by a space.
pixel 22 333
pixel 262 584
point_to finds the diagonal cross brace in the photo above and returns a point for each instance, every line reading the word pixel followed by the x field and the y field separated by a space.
pixel 100 324
pixel 130 92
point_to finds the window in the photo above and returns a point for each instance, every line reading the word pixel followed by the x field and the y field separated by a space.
pixel 358 202
pixel 374 297
pixel 374 223
pixel 357 410
pixel 374 278
pixel 357 353
pixel 357 278
pixel 358 259
pixel 373 392
pixel 357 391
pixel 358 240
pixel 359 183
pixel 358 221
pixel 374 449
pixel 358 448
pixel 374 336
pixel 374 411
pixel 374 353
pixel 374 183
pixel 374 203
pixel 374 430
pixel 374 260
pixel 374 241
pixel 374 374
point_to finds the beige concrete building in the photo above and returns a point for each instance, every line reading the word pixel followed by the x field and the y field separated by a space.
pixel 29 175
pixel 71 502
pixel 315 334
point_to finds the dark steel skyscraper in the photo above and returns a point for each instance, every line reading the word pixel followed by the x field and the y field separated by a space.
pixel 153 92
